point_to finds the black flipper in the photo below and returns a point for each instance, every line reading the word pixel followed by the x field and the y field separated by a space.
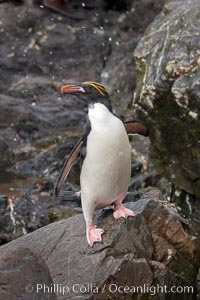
pixel 68 164
pixel 136 127
pixel 70 195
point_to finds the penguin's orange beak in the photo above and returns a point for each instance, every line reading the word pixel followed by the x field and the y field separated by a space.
pixel 72 88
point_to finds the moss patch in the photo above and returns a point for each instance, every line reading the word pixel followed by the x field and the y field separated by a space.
pixel 59 213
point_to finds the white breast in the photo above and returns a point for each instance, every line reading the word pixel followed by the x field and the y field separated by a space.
pixel 107 166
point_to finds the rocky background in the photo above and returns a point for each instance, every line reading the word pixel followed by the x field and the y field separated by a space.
pixel 148 54
pixel 168 92
pixel 41 50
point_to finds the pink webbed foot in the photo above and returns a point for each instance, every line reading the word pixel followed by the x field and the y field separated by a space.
pixel 93 233
pixel 121 211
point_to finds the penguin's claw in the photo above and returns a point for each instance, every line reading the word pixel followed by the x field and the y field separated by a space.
pixel 121 211
pixel 93 234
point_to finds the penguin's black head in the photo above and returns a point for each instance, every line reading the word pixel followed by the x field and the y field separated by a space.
pixel 89 92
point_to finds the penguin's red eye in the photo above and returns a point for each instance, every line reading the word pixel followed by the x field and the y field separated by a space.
pixel 88 89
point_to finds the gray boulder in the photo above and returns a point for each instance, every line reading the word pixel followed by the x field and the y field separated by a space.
pixel 152 248
pixel 167 94
pixel 20 270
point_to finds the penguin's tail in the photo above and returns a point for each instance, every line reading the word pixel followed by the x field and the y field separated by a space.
pixel 69 195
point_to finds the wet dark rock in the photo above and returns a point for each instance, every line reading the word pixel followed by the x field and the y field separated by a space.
pixel 33 210
pixel 20 269
pixel 11 111
pixel 136 168
pixel 167 93
pixel 55 50
pixel 151 248
pixel 145 180
pixel 47 185
pixel 13 149
pixel 11 224
pixel 38 57
pixel 48 159
pixel 3 200
pixel 188 205
pixel 119 71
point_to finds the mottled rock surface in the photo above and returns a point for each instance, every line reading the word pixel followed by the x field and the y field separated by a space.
pixel 157 246
pixel 41 50
pixel 167 94
pixel 33 210
pixel 38 57
pixel 20 269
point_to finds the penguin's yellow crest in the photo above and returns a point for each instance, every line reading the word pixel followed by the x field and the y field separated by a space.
pixel 98 86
